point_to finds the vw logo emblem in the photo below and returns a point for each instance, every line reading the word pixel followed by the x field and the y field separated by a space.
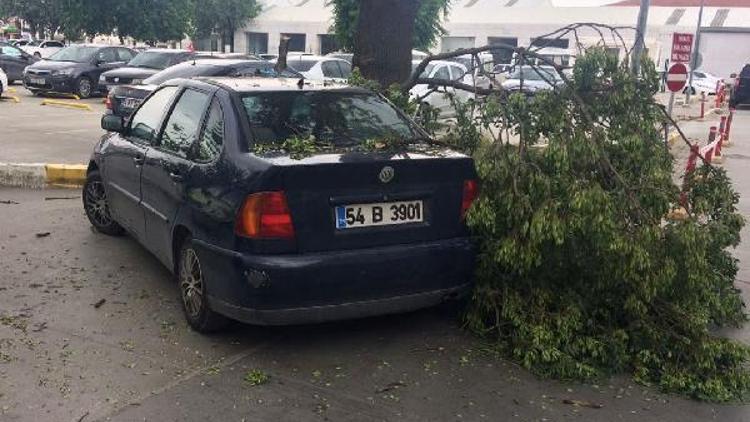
pixel 386 175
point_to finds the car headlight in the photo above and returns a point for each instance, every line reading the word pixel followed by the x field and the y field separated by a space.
pixel 136 82
pixel 102 79
pixel 63 72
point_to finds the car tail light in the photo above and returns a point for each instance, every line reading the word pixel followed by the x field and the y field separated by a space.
pixel 265 215
pixel 471 191
pixel 108 102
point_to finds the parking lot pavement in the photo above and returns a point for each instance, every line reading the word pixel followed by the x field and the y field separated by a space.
pixel 91 330
pixel 32 133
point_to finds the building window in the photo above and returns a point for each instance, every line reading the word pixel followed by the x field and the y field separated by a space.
pixel 328 43
pixel 296 41
pixel 503 56
pixel 454 43
pixel 257 42
pixel 550 42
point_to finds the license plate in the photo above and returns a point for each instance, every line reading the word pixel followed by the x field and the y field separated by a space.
pixel 131 103
pixel 380 214
pixel 38 81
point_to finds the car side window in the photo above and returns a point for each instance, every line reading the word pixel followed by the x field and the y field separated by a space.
pixel 212 138
pixel 699 75
pixel 458 73
pixel 331 69
pixel 54 44
pixel 125 54
pixel 106 55
pixel 144 125
pixel 181 131
pixel 442 74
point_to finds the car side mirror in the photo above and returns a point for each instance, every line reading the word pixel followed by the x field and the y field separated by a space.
pixel 112 123
pixel 98 63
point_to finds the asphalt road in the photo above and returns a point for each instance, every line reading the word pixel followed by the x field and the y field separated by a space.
pixel 91 330
pixel 32 133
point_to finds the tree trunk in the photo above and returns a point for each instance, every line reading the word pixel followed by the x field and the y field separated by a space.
pixel 384 38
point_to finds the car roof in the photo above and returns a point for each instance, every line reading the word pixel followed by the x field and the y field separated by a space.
pixel 255 84
pixel 165 50
pixel 220 62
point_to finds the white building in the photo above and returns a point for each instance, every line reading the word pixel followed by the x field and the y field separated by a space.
pixel 725 34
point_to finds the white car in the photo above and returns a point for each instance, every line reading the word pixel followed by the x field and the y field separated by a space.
pixel 43 49
pixel 534 78
pixel 703 82
pixel 3 82
pixel 319 68
pixel 440 97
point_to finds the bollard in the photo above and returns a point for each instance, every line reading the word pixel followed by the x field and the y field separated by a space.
pixel 728 127
pixel 703 105
pixel 692 161
pixel 717 143
pixel 718 95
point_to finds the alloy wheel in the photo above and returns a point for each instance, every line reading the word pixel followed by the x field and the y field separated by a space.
pixel 95 201
pixel 191 283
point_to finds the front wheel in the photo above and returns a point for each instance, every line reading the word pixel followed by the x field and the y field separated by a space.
pixel 96 205
pixel 192 281
pixel 84 87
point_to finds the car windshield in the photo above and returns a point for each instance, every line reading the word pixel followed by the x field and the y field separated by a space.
pixel 152 60
pixel 75 53
pixel 301 65
pixel 340 119
pixel 533 74
pixel 427 70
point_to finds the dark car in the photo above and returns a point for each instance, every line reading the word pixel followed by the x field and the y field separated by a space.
pixel 75 69
pixel 143 66
pixel 13 61
pixel 741 92
pixel 122 100
pixel 198 177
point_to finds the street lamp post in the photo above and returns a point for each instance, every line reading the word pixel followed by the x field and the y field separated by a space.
pixel 694 59
pixel 640 36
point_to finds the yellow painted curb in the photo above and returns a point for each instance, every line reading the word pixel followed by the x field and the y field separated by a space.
pixel 66 104
pixel 66 174
pixel 673 137
pixel 11 91
pixel 12 98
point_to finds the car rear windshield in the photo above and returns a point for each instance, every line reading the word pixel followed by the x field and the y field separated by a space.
pixel 533 74
pixel 74 53
pixel 302 65
pixel 337 118
pixel 152 60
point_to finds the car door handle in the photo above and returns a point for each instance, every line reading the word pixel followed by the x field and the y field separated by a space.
pixel 176 177
pixel 138 161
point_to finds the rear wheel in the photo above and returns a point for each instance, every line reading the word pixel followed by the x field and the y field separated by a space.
pixel 198 313
pixel 96 205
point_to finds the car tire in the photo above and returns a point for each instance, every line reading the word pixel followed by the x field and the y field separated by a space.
pixel 193 296
pixel 96 206
pixel 84 87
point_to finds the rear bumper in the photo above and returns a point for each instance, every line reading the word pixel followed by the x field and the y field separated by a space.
pixel 313 288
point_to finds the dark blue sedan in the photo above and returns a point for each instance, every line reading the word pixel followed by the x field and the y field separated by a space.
pixel 206 176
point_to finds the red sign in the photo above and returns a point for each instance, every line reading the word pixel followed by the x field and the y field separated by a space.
pixel 677 77
pixel 682 47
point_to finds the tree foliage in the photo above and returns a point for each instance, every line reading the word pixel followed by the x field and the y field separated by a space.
pixel 428 25
pixel 580 274
pixel 222 17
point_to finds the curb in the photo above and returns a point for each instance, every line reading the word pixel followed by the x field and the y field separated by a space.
pixel 40 175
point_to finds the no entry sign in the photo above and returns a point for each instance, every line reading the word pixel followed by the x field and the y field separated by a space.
pixel 682 47
pixel 677 77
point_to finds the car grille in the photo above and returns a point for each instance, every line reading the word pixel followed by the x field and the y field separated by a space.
pixel 38 72
pixel 118 80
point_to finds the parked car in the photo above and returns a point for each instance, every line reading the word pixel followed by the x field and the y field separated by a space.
pixel 3 82
pixel 75 69
pixel 481 71
pixel 13 61
pixel 263 238
pixel 703 82
pixel 415 55
pixel 124 99
pixel 273 56
pixel 532 79
pixel 320 68
pixel 43 49
pixel 740 94
pixel 220 55
pixel 441 97
pixel 143 66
